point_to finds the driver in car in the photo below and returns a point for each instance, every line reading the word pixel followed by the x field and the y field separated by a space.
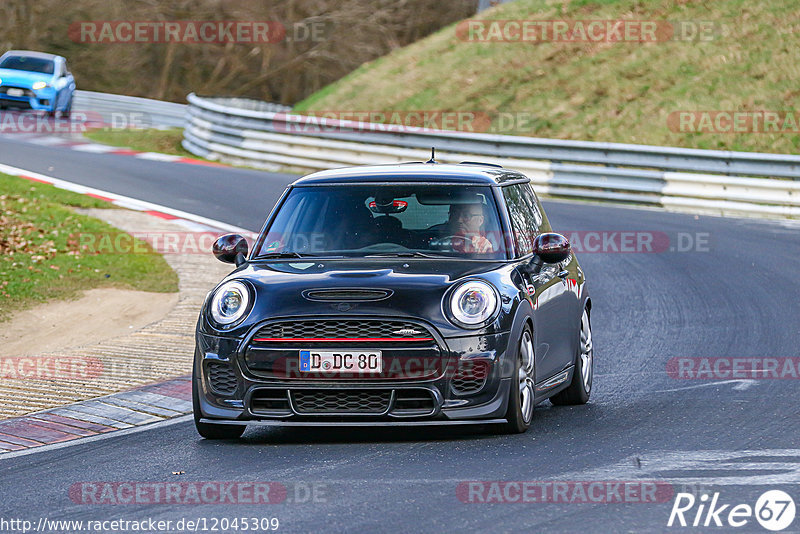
pixel 466 221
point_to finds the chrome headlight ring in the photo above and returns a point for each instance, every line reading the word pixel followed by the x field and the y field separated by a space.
pixel 473 304
pixel 230 303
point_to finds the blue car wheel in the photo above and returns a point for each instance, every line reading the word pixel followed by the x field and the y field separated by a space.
pixel 54 111
pixel 68 108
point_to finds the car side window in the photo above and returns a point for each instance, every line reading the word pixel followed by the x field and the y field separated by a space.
pixel 524 215
pixel 529 197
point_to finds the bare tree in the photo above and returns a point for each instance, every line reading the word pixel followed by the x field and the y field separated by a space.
pixel 325 40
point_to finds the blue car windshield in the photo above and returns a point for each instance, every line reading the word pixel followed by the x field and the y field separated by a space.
pixel 386 220
pixel 30 64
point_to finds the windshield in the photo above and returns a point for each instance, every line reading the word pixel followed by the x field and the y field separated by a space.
pixel 386 220
pixel 31 64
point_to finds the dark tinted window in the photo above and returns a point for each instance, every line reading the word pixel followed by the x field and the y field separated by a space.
pixel 359 220
pixel 524 214
pixel 31 64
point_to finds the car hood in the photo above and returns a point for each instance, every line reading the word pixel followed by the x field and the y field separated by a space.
pixel 417 287
pixel 23 78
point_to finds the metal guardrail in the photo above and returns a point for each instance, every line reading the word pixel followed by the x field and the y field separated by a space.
pixel 121 111
pixel 711 181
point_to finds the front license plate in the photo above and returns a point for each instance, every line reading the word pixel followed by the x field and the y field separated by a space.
pixel 15 92
pixel 344 361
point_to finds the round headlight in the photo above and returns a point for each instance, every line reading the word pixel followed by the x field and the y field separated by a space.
pixel 473 303
pixel 39 85
pixel 230 303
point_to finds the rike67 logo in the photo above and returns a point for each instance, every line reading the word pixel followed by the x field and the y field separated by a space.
pixel 774 510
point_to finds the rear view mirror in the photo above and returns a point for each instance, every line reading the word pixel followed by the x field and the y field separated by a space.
pixel 387 206
pixel 231 248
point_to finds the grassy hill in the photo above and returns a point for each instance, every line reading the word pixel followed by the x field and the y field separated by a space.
pixel 599 91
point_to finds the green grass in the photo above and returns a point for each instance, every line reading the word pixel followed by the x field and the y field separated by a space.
pixel 149 140
pixel 616 92
pixel 41 257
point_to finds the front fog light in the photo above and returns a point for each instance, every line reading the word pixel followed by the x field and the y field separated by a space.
pixel 473 303
pixel 230 303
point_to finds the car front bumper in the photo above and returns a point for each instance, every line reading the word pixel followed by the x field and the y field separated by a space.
pixel 39 100
pixel 228 390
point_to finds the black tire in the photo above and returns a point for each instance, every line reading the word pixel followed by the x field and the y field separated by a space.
pixel 67 113
pixel 519 414
pixel 211 430
pixel 580 388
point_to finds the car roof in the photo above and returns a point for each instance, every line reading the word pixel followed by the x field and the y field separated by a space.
pixel 31 53
pixel 463 173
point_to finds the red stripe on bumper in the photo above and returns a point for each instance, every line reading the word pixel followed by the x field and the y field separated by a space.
pixel 338 339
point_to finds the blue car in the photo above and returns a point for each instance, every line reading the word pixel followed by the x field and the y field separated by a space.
pixel 36 81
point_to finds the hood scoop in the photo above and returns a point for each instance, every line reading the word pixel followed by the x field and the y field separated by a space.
pixel 344 294
pixel 361 274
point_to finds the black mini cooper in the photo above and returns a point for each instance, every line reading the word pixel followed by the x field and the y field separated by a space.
pixel 409 294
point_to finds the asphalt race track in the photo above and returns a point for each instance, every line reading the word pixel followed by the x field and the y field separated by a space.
pixel 736 297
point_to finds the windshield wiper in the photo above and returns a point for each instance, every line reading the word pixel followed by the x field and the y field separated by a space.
pixel 279 255
pixel 410 254
pixel 293 255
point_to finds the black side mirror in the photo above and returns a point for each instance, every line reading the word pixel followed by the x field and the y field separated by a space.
pixel 231 248
pixel 551 248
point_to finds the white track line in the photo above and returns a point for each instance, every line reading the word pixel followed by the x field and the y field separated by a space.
pixel 122 201
pixel 127 202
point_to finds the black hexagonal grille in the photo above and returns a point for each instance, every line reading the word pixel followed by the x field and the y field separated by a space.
pixel 25 92
pixel 470 377
pixel 341 401
pixel 221 378
pixel 342 329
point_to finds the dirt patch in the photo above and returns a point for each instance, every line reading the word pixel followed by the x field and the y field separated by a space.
pixel 98 315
